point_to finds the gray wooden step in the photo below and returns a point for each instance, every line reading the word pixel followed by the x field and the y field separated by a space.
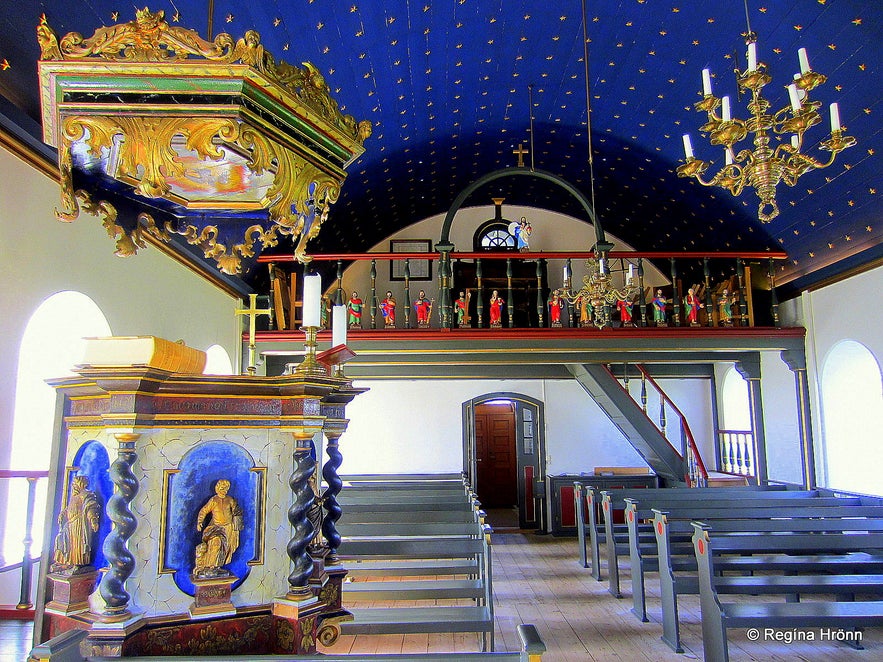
pixel 411 548
pixel 416 500
pixel 352 530
pixel 437 589
pixel 418 620
pixel 401 507
pixel 365 515
pixel 408 568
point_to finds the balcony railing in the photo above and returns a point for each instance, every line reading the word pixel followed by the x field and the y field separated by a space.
pixel 736 448
pixel 27 560
pixel 525 282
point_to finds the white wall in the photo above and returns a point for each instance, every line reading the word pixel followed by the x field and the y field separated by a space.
pixel 847 310
pixel 415 426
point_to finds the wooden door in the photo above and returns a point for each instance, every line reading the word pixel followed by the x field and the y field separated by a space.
pixel 497 465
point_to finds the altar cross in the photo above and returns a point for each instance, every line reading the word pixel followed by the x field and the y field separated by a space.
pixel 252 313
pixel 520 152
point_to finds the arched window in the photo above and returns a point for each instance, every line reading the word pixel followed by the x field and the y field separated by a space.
pixel 51 345
pixel 494 235
pixel 735 410
pixel 852 417
pixel 217 361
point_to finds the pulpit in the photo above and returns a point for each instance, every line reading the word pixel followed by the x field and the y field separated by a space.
pixel 187 511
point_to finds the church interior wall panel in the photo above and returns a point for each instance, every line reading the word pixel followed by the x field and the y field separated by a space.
pixel 781 431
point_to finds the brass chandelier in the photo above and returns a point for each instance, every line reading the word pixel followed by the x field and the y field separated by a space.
pixel 764 166
pixel 228 135
pixel 598 293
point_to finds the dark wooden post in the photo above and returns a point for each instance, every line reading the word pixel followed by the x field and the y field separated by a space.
pixel 709 304
pixel 743 295
pixel 774 299
pixel 541 304
pixel 642 299
pixel 675 295
pixel 408 302
pixel 120 561
pixel 509 310
pixel 373 294
pixel 479 303
pixel 302 530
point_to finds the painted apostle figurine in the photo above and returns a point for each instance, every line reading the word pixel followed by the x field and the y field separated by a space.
pixel 496 306
pixel 388 311
pixel 354 311
pixel 461 306
pixel 725 308
pixel 691 307
pixel 556 305
pixel 77 524
pixel 423 306
pixel 625 312
pixel 658 304
pixel 220 536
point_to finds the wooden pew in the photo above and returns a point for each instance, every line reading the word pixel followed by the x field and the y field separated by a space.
pixel 795 549
pixel 617 545
pixel 677 566
pixel 642 541
pixel 591 535
pixel 416 555
pixel 66 647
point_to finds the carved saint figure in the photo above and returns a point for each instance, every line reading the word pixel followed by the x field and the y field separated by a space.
pixel 77 524
pixel 388 310
pixel 691 307
pixel 220 537
pixel 556 305
pixel 658 304
pixel 354 311
pixel 423 306
pixel 725 307
pixel 585 310
pixel 625 312
pixel 496 305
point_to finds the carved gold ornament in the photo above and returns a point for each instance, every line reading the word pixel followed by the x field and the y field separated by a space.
pixel 207 125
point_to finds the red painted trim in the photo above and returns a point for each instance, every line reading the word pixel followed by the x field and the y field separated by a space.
pixel 10 613
pixel 535 255
pixel 367 335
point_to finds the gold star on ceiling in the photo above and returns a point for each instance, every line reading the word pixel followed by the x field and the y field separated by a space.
pixel 114 15
pixel 176 17
pixel 229 18
pixel 5 64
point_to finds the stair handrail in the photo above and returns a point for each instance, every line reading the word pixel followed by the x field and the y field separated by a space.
pixel 685 427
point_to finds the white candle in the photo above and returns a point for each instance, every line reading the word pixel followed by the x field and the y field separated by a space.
pixel 728 156
pixel 688 146
pixel 338 325
pixel 801 93
pixel 795 98
pixel 565 272
pixel 725 109
pixel 795 142
pixel 631 272
pixel 752 56
pixel 312 300
pixel 601 263
pixel 804 61
pixel 706 82
pixel 835 118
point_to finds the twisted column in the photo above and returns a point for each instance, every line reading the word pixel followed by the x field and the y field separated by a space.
pixel 329 496
pixel 301 527
pixel 120 560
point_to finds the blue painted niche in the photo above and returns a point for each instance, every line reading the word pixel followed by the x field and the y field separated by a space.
pixel 190 487
pixel 93 462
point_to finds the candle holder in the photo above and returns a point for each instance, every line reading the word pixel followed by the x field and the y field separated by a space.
pixel 310 366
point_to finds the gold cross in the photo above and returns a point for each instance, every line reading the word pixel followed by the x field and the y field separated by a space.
pixel 252 313
pixel 520 152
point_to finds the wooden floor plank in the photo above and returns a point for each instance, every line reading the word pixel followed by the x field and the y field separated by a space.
pixel 538 579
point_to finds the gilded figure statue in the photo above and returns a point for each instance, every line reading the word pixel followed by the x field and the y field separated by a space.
pixel 220 535
pixel 77 525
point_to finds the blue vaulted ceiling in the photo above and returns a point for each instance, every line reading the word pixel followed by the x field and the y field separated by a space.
pixel 446 85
